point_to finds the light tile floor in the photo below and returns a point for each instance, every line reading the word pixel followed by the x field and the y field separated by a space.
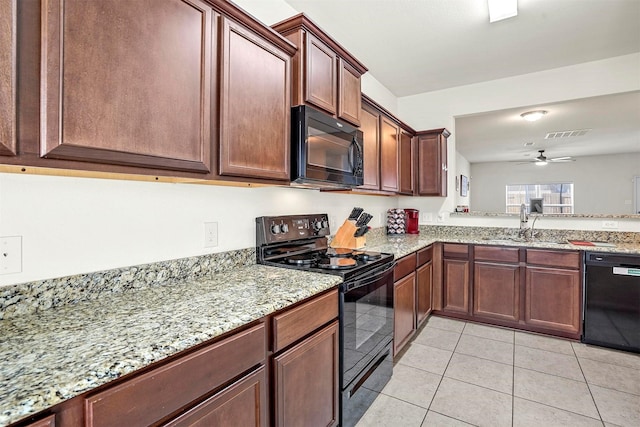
pixel 455 373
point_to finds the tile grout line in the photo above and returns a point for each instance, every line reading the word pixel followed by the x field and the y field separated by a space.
pixel 593 399
pixel 445 370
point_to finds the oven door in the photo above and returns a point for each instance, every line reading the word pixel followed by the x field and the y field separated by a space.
pixel 366 309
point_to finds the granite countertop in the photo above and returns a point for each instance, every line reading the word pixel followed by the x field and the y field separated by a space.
pixel 54 355
pixel 401 245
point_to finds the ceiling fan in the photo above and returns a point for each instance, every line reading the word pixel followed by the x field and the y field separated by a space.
pixel 542 160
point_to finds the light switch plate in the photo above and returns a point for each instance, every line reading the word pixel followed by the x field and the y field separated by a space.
pixel 10 254
pixel 610 225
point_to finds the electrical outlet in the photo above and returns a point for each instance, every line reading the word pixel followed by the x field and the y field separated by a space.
pixel 10 254
pixel 426 217
pixel 610 225
pixel 332 222
pixel 210 234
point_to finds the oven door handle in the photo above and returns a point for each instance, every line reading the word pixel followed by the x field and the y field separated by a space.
pixel 358 283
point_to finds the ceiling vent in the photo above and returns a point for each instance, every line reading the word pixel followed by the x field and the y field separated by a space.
pixel 566 133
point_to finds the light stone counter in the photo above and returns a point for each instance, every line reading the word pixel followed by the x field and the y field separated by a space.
pixel 401 245
pixel 54 355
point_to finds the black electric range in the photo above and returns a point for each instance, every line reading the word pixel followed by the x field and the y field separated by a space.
pixel 365 301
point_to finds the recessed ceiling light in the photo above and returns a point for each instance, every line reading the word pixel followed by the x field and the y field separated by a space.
pixel 502 9
pixel 532 116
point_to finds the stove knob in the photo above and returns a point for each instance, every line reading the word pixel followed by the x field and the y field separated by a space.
pixel 284 228
pixel 275 229
pixel 317 225
pixel 325 223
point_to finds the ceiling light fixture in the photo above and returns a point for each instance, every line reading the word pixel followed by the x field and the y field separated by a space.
pixel 541 163
pixel 532 116
pixel 502 9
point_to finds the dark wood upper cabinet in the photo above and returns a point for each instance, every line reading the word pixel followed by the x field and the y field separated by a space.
pixel 370 127
pixel 406 171
pixel 255 106
pixel 325 75
pixel 8 12
pixel 128 82
pixel 349 89
pixel 389 155
pixel 321 82
pixel 431 162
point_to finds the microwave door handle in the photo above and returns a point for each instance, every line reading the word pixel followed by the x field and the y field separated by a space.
pixel 354 153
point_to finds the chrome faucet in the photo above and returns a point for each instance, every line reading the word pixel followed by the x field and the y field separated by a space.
pixel 523 221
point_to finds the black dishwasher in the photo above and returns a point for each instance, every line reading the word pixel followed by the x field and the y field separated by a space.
pixel 612 301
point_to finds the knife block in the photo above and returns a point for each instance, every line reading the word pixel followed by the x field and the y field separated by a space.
pixel 344 237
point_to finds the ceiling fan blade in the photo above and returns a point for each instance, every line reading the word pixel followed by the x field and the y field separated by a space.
pixel 555 159
pixel 562 160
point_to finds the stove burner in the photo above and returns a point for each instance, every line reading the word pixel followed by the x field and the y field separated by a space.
pixel 339 252
pixel 336 263
pixel 299 260
pixel 367 256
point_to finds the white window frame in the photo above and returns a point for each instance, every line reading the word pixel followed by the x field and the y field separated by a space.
pixel 538 193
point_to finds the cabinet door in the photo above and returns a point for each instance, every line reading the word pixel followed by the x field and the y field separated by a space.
pixel 496 291
pixel 431 168
pixel 404 314
pixel 389 159
pixel 369 125
pixel 424 276
pixel 552 299
pixel 321 85
pixel 128 82
pixel 244 403
pixel 8 77
pixel 350 93
pixel 455 284
pixel 306 383
pixel 406 164
pixel 255 106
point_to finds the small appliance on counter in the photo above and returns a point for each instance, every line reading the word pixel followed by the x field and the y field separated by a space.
pixel 412 219
pixel 396 221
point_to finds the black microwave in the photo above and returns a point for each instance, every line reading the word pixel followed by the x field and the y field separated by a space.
pixel 325 152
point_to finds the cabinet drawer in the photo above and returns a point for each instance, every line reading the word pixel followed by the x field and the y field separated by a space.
pixel 50 421
pixel 147 398
pixel 293 324
pixel 454 250
pixel 496 253
pixel 404 266
pixel 425 255
pixel 241 404
pixel 567 259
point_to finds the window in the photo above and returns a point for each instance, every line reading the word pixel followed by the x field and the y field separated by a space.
pixel 556 198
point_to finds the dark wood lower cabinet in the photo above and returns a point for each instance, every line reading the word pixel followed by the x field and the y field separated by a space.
pixel 306 386
pixel 424 276
pixel 244 403
pixel 553 299
pixel 455 285
pixel 538 290
pixel 404 291
pixel 496 291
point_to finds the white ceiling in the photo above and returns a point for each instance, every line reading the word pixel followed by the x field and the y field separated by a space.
pixel 613 120
pixel 415 46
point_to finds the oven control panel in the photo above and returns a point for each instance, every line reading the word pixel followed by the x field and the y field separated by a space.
pixel 274 229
